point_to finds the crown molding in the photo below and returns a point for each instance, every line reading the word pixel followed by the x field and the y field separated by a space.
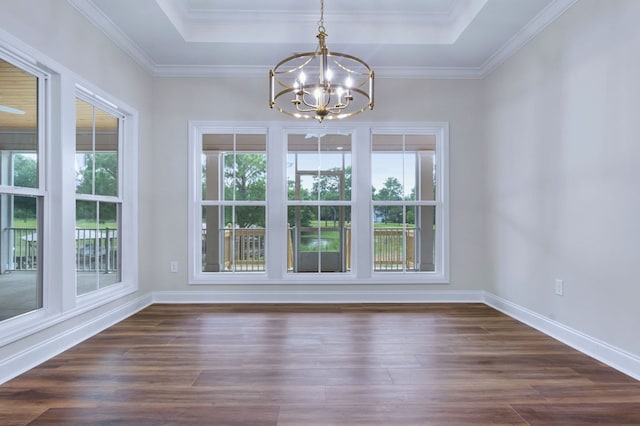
pixel 549 14
pixel 555 9
pixel 257 71
pixel 89 10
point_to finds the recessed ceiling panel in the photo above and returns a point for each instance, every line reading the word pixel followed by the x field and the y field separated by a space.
pixel 207 37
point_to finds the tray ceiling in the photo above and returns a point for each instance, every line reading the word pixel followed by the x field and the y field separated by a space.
pixel 404 38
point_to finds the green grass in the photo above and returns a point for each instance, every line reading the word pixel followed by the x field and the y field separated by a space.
pixel 87 224
pixel 388 225
pixel 30 223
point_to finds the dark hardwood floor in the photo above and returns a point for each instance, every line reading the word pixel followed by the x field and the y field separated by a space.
pixel 392 364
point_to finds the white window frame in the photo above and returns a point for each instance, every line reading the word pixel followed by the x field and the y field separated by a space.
pixel 440 202
pixel 99 102
pixel 127 194
pixel 28 65
pixel 57 187
pixel 361 204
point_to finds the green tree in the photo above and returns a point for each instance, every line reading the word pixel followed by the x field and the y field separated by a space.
pixel 245 175
pixel 307 213
pixel 25 175
pixel 391 191
pixel 106 183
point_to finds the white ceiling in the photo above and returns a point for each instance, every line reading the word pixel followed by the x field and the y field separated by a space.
pixel 397 38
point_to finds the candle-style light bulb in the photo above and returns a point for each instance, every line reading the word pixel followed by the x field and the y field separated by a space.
pixel 328 74
pixel 348 82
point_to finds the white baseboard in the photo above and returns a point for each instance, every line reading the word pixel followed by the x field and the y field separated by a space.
pixel 292 296
pixel 37 354
pixel 614 357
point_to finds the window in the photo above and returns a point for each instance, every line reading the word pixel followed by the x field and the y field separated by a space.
pixel 404 202
pixel 22 188
pixel 91 147
pixel 319 204
pixel 232 206
pixel 98 201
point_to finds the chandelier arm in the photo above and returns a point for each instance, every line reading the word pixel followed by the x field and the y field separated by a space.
pixel 347 69
pixel 311 55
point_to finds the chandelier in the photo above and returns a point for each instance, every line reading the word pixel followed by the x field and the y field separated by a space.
pixel 321 85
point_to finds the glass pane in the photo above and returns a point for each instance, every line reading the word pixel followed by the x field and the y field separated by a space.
pixel 108 244
pixel 403 167
pixel 306 187
pixel 323 174
pixel 97 245
pixel 244 167
pixel 388 252
pixel 228 175
pixel 386 167
pixel 85 146
pixel 25 169
pixel 303 163
pixel 212 235
pixel 86 246
pixel 251 167
pixel 19 125
pixel 319 239
pixel 106 173
pixel 425 228
pixel 250 177
pixel 407 244
pixel 424 149
pixel 210 173
pixel 96 162
pixel 410 169
pixel 239 245
pixel 331 186
pixel 245 240
pixel 412 238
pixel 84 172
pixel 106 153
pixel 20 283
pixel 304 239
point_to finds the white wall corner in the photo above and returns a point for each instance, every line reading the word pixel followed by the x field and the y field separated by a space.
pixel 37 354
pixel 293 296
pixel 614 357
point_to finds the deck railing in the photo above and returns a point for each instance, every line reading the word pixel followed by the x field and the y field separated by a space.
pixel 95 251
pixel 391 252
pixel 244 248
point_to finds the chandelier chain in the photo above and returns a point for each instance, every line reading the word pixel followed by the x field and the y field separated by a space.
pixel 321 28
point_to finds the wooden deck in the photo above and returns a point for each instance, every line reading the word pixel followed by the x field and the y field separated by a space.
pixel 449 364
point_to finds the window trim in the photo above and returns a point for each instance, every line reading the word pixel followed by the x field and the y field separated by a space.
pixel 43 93
pixel 440 202
pixel 56 186
pixel 126 198
pixel 361 204
pixel 196 202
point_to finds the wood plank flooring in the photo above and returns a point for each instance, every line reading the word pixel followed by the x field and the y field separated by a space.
pixel 391 364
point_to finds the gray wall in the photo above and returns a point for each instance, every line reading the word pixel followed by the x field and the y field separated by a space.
pixel 562 167
pixel 177 100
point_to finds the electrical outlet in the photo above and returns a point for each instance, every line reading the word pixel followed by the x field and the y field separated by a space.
pixel 173 266
pixel 559 287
